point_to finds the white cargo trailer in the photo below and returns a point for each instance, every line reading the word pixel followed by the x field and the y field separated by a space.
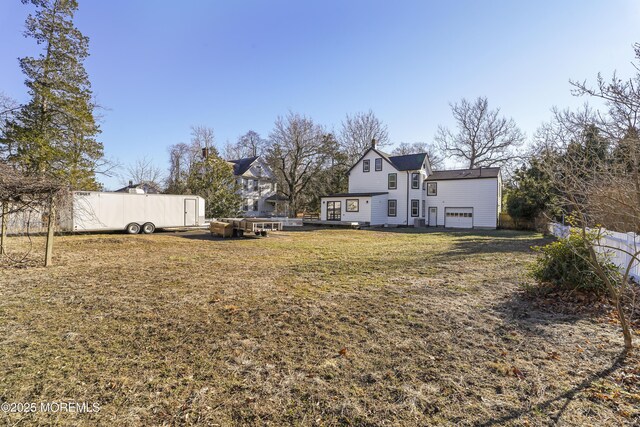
pixel 134 212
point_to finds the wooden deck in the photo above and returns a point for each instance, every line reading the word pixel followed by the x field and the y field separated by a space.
pixel 350 224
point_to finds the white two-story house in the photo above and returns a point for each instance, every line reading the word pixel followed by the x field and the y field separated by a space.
pixel 387 190
pixel 258 188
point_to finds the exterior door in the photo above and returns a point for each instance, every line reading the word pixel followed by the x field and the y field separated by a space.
pixel 190 212
pixel 433 217
pixel 334 211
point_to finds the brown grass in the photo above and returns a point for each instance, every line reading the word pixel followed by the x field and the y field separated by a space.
pixel 313 327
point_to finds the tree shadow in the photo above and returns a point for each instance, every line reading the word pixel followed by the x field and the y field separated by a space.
pixel 568 396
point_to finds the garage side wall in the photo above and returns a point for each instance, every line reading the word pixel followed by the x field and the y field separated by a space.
pixel 479 194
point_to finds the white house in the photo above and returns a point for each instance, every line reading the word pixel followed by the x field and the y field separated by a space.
pixel 389 190
pixel 257 186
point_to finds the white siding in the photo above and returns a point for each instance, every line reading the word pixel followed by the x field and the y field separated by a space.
pixel 266 188
pixel 373 209
pixel 479 194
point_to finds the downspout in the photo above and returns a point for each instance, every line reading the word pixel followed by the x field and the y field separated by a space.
pixel 408 203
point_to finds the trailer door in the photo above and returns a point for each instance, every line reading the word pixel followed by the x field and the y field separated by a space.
pixel 190 212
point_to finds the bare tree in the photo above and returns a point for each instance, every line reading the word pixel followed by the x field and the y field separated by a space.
pixel 298 152
pixel 202 137
pixel 436 160
pixel 358 131
pixel 183 157
pixel 143 170
pixel 8 109
pixel 596 171
pixel 248 145
pixel 483 138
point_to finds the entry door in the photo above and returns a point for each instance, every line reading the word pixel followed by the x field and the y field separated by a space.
pixel 334 211
pixel 190 212
pixel 433 217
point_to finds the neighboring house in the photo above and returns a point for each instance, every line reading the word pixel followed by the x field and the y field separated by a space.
pixel 403 190
pixel 142 187
pixel 257 187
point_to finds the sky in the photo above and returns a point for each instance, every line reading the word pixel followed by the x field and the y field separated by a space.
pixel 158 67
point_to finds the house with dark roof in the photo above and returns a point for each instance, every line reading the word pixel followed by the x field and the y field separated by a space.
pixel 258 188
pixel 387 190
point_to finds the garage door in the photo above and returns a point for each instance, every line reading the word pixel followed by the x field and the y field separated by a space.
pixel 458 217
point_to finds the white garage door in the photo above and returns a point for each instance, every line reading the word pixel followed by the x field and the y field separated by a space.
pixel 458 217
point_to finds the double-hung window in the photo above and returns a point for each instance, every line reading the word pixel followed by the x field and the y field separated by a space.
pixel 415 207
pixel 379 164
pixel 392 208
pixel 366 165
pixel 392 181
pixel 415 180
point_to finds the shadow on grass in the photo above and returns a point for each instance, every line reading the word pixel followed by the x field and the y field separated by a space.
pixel 566 396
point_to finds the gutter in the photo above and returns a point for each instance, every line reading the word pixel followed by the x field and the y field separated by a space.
pixel 408 203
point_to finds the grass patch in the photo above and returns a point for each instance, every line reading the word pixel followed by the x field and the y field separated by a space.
pixel 313 327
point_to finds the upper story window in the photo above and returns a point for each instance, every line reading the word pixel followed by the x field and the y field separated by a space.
pixel 366 165
pixel 415 180
pixel 255 185
pixel 379 164
pixel 393 181
pixel 432 188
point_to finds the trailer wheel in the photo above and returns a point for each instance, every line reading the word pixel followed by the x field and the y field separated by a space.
pixel 133 228
pixel 148 228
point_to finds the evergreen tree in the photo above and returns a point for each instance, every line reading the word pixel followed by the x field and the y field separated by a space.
pixel 213 180
pixel 532 192
pixel 54 134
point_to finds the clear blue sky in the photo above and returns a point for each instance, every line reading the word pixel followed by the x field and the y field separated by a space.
pixel 160 66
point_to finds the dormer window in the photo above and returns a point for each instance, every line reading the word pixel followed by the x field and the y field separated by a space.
pixel 379 164
pixel 366 165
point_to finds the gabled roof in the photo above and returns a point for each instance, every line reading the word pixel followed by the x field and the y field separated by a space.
pixel 402 163
pixel 240 166
pixel 148 187
pixel 464 174
pixel 408 162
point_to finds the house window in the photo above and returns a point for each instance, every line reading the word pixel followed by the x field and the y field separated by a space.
pixel 415 180
pixel 366 165
pixel 424 210
pixel 393 181
pixel 392 208
pixel 415 207
pixel 379 164
pixel 245 205
pixel 353 205
pixel 432 188
pixel 245 184
pixel 255 185
pixel 255 205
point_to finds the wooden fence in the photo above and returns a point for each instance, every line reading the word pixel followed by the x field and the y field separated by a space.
pixel 617 246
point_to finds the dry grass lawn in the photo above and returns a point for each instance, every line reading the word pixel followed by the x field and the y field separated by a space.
pixel 314 327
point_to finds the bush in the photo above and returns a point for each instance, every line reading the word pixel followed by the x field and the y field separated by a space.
pixel 565 265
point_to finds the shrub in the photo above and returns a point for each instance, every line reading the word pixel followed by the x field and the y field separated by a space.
pixel 565 265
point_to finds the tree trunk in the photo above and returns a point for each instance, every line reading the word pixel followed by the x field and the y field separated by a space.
pixel 50 229
pixel 3 228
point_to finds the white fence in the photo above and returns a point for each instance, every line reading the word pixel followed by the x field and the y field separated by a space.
pixel 617 246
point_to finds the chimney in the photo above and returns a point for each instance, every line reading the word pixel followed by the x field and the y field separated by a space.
pixel 205 153
pixel 373 143
pixel 130 183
